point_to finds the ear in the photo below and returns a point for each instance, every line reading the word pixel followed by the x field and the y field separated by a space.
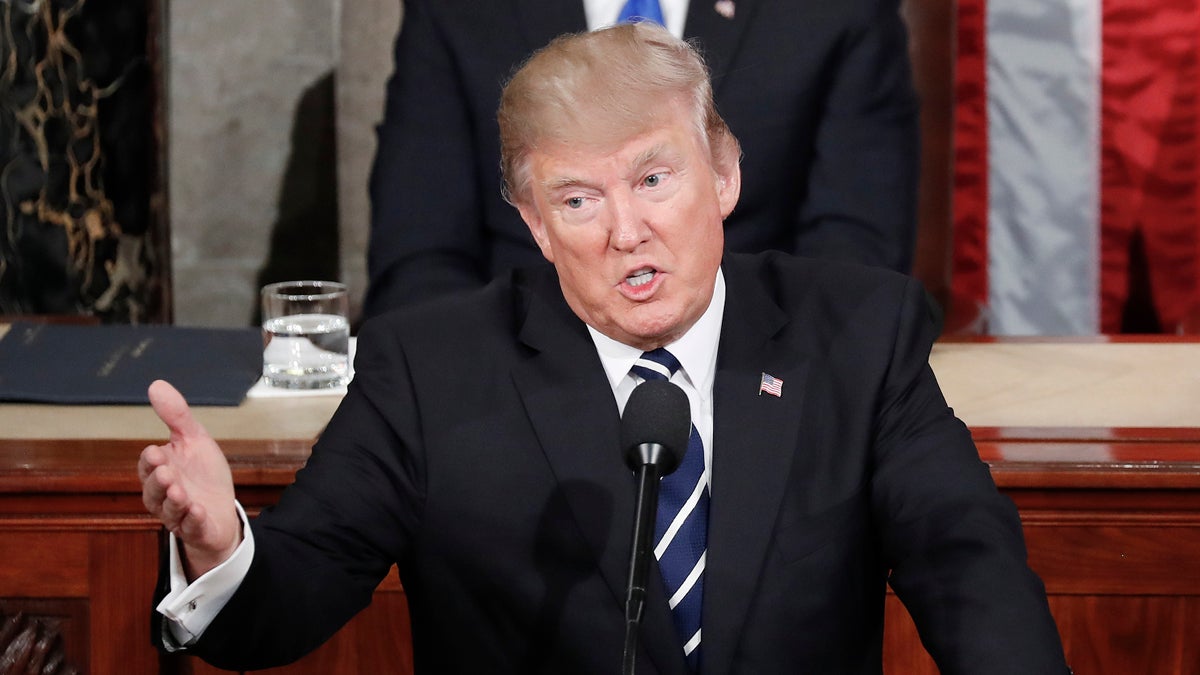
pixel 537 227
pixel 729 185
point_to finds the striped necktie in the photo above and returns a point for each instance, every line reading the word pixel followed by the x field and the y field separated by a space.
pixel 641 10
pixel 681 525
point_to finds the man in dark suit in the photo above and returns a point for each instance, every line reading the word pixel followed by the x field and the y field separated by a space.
pixel 478 446
pixel 816 91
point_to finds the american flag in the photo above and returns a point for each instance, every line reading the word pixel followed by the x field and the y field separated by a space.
pixel 1076 137
pixel 770 384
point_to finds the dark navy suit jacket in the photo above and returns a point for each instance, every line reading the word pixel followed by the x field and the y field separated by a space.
pixel 477 448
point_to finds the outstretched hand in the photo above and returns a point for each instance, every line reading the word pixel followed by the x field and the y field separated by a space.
pixel 187 485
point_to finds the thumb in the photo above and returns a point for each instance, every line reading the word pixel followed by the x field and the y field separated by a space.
pixel 173 410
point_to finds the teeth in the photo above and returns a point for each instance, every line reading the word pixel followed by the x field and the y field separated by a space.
pixel 641 278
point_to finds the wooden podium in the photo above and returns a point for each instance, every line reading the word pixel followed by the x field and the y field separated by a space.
pixel 1098 444
pixel 1096 441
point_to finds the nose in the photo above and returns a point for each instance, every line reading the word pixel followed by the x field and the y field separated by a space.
pixel 630 228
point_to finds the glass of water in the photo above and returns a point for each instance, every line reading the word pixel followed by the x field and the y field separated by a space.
pixel 306 335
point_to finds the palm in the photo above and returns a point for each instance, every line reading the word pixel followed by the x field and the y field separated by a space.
pixel 205 477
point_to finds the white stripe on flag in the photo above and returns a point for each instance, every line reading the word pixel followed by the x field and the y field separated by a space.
pixel 1043 92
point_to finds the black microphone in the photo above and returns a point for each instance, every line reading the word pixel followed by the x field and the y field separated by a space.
pixel 654 435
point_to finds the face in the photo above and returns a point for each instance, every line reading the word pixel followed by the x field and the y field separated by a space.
pixel 634 228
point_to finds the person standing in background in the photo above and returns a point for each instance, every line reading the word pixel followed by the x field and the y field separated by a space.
pixel 820 95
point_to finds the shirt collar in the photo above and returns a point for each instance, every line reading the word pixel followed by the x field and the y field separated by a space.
pixel 696 349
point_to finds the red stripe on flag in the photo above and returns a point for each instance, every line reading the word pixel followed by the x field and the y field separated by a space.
pixel 969 278
pixel 1149 153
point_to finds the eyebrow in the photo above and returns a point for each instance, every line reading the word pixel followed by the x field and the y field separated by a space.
pixel 647 156
pixel 562 183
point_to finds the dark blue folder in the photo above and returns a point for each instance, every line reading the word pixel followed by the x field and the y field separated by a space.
pixel 57 363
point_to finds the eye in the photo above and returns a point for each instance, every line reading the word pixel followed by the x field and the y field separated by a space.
pixel 574 202
pixel 652 180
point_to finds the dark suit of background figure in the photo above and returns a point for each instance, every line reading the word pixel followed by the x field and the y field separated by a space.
pixel 502 494
pixel 819 93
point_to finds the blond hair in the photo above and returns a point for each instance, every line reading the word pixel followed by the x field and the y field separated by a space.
pixel 604 86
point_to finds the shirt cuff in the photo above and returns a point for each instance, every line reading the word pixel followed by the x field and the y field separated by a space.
pixel 190 608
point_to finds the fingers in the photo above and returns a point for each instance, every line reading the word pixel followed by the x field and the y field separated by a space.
pixel 173 410
pixel 163 494
pixel 151 458
pixel 154 491
pixel 175 510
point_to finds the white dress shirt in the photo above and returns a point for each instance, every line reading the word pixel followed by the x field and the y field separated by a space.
pixel 602 13
pixel 189 608
pixel 696 352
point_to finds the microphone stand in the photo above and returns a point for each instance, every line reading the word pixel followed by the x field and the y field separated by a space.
pixel 648 475
pixel 654 427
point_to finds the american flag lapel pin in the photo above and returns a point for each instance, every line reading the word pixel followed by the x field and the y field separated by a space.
pixel 724 8
pixel 770 384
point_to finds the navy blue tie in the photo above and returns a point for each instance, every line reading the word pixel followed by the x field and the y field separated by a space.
pixel 641 10
pixel 681 526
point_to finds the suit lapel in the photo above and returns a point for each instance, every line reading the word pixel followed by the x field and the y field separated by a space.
pixel 755 438
pixel 570 405
pixel 719 37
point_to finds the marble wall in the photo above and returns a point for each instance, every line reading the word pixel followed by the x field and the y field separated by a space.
pixel 271 113
pixel 80 220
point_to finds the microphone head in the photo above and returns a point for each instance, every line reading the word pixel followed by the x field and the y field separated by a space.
pixel 655 426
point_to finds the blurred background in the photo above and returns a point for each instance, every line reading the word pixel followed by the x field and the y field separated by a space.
pixel 272 114
pixel 252 130
pixel 161 160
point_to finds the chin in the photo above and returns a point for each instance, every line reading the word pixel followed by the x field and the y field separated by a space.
pixel 657 332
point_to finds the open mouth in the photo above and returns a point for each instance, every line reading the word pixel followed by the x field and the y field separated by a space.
pixel 640 277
